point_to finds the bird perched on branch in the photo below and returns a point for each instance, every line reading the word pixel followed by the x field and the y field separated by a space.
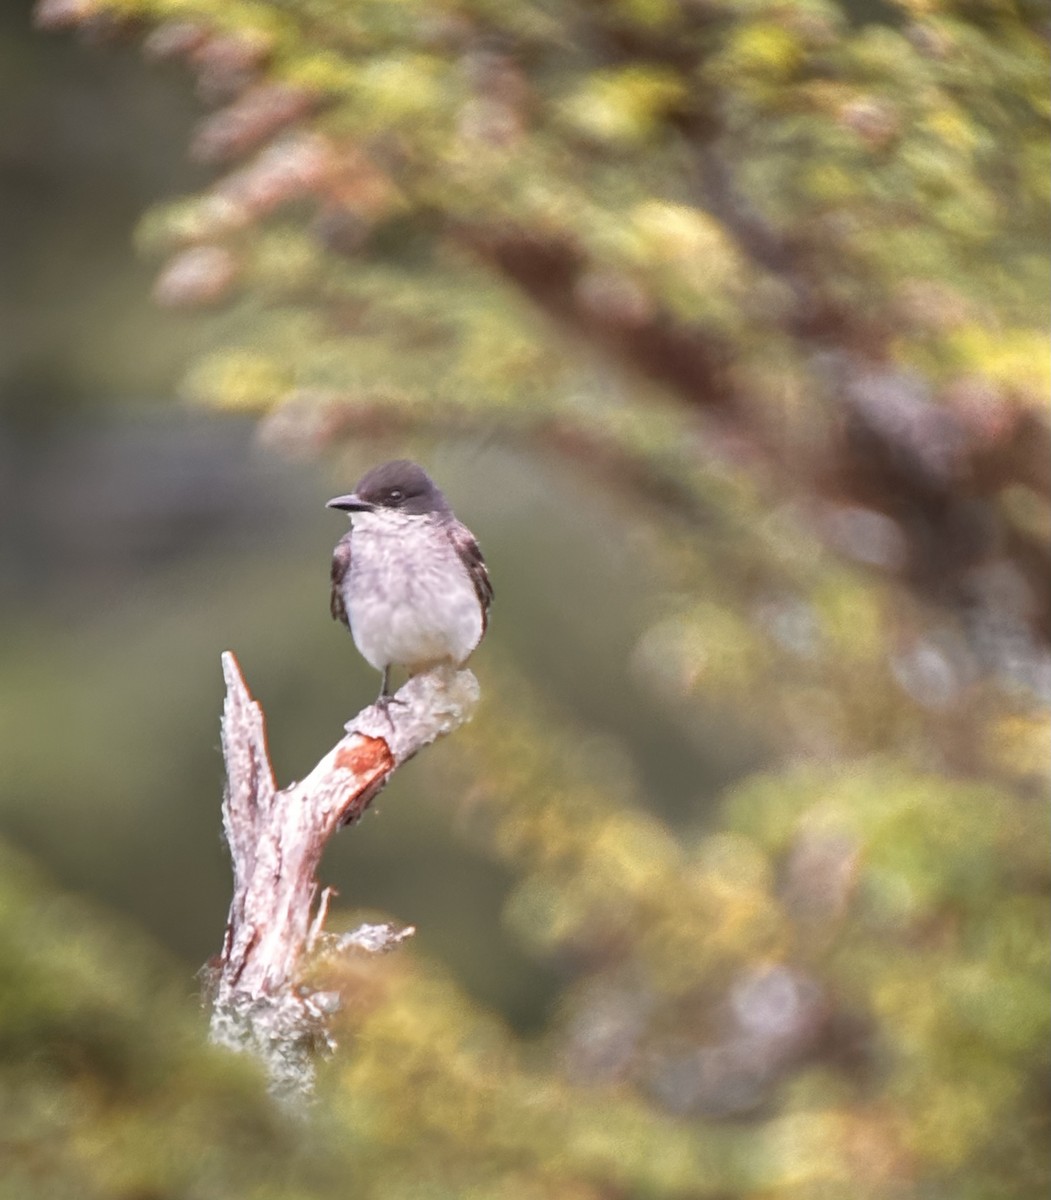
pixel 408 579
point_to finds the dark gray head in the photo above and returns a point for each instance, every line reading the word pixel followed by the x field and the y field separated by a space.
pixel 400 485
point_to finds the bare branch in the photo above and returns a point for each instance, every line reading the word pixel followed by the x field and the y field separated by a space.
pixel 276 840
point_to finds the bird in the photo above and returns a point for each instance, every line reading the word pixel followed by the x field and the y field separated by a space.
pixel 408 579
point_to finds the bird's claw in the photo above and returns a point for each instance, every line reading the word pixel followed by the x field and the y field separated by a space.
pixel 384 702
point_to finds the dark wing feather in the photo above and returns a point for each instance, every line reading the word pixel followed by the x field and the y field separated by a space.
pixel 340 567
pixel 471 556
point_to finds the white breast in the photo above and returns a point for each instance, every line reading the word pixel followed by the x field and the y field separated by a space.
pixel 409 598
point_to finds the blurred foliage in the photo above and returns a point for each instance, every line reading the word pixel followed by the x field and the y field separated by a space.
pixel 107 1080
pixel 772 278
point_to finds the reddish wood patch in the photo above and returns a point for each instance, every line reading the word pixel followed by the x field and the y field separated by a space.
pixel 371 762
pixel 367 756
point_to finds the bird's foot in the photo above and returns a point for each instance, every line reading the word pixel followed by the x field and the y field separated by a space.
pixel 384 702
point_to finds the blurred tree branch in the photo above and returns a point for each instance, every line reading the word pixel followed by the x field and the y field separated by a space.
pixel 893 450
pixel 724 204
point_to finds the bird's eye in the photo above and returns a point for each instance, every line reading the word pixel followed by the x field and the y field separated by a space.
pixel 396 495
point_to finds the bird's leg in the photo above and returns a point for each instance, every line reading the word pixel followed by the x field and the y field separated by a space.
pixel 385 699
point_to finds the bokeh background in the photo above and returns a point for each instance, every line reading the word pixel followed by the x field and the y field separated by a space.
pixel 724 327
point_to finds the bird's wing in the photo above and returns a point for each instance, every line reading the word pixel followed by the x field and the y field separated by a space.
pixel 340 567
pixel 470 553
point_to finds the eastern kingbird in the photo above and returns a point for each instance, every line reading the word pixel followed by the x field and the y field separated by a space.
pixel 408 579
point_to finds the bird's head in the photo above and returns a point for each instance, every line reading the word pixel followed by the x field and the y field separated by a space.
pixel 399 486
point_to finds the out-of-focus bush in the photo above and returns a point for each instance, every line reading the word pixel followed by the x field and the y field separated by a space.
pixel 771 280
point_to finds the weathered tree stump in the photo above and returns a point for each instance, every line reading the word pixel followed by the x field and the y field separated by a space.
pixel 260 1004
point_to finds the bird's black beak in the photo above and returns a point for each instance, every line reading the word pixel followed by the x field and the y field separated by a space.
pixel 351 503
